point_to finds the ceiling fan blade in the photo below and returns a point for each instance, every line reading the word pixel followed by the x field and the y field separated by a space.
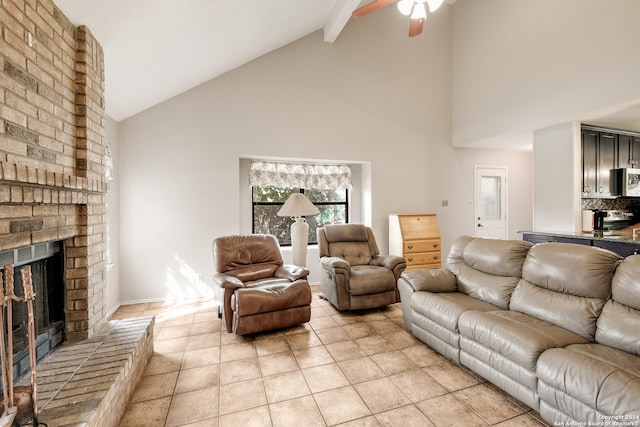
pixel 415 27
pixel 374 5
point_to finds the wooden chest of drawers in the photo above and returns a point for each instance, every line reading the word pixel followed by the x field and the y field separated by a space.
pixel 416 238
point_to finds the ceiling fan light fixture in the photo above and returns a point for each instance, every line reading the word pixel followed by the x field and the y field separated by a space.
pixel 405 7
pixel 434 5
pixel 419 11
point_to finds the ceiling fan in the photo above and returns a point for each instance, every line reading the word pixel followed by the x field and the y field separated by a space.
pixel 416 9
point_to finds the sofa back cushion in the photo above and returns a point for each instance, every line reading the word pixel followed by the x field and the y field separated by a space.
pixel 618 323
pixel 566 284
pixel 354 243
pixel 487 269
pixel 247 257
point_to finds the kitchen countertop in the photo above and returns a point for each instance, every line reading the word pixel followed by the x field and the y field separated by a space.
pixel 623 235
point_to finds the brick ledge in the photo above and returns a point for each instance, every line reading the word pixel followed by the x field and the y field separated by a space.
pixel 90 382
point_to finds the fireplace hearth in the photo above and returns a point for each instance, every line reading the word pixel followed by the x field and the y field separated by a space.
pixel 46 261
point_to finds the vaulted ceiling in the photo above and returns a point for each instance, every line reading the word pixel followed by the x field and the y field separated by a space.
pixel 156 49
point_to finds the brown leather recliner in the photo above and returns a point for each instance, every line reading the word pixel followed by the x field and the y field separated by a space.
pixel 353 274
pixel 259 292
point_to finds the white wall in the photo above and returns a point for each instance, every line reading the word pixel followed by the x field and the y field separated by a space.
pixel 556 169
pixel 113 222
pixel 524 65
pixel 375 96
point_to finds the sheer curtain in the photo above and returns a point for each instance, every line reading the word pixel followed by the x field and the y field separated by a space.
pixel 300 175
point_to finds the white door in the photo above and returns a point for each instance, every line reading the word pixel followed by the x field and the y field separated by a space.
pixel 491 202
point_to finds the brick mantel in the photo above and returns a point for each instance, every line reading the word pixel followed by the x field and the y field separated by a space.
pixel 52 155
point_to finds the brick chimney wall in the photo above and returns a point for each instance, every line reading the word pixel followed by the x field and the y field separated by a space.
pixel 52 150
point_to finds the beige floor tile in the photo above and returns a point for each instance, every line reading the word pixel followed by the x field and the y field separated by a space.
pixel 447 411
pixel 201 357
pixel 374 344
pixel 205 328
pixel 451 376
pixel 488 403
pixel 244 350
pixel 417 385
pixel 345 350
pixel 285 386
pixel 302 411
pixel 313 356
pixel 254 417
pixel 169 332
pixel 381 395
pixel 192 407
pixel 155 386
pixel 163 363
pixel 324 377
pixel 346 318
pixel 369 421
pixel 150 413
pixel 401 339
pixel 204 377
pixel 406 416
pixel 324 322
pixel 385 326
pixel 237 397
pixel 239 370
pixel 331 335
pixel 341 405
pixel 360 369
pixel 304 339
pixel 423 356
pixel 277 363
pixel 196 342
pixel 271 345
pixel 174 345
pixel 525 420
pixel 358 330
pixel 393 362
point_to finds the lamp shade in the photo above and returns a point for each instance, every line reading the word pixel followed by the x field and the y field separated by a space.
pixel 298 205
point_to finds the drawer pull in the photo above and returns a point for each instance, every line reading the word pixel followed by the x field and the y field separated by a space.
pixel 410 246
pixel 436 257
pixel 410 259
pixel 435 245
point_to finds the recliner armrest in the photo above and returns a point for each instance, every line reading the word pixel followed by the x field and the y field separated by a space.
pixel 388 261
pixel 291 272
pixel 227 281
pixel 333 262
pixel 435 280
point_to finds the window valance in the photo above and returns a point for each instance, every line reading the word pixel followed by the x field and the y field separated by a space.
pixel 300 175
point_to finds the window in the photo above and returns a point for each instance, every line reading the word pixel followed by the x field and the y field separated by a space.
pixel 327 187
pixel 267 201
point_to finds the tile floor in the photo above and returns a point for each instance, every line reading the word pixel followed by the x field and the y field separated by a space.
pixel 350 369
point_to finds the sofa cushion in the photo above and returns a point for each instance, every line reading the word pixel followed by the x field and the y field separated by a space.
pixel 566 285
pixel 370 279
pixel 583 377
pixel 488 269
pixel 516 336
pixel 445 308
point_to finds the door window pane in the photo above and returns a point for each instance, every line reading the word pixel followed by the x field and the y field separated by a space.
pixel 490 197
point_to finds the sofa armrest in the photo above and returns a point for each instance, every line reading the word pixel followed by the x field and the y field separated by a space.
pixel 332 263
pixel 435 280
pixel 227 281
pixel 388 261
pixel 291 272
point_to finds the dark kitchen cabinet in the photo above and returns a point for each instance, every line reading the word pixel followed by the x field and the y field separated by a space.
pixel 628 151
pixel 622 248
pixel 599 156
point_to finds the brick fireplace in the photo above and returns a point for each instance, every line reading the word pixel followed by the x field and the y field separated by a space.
pixel 52 150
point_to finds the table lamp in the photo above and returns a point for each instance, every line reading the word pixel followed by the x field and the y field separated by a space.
pixel 298 206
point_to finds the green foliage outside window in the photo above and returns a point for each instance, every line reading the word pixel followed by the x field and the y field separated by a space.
pixel 267 201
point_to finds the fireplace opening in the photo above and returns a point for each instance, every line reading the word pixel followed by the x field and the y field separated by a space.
pixel 47 274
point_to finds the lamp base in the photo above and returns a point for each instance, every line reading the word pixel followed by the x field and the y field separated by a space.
pixel 299 241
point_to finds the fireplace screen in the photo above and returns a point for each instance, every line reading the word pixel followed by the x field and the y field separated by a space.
pixel 47 273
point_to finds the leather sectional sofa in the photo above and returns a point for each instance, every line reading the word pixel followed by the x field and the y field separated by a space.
pixel 555 325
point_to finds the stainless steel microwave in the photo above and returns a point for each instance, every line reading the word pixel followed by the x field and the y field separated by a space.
pixel 625 182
